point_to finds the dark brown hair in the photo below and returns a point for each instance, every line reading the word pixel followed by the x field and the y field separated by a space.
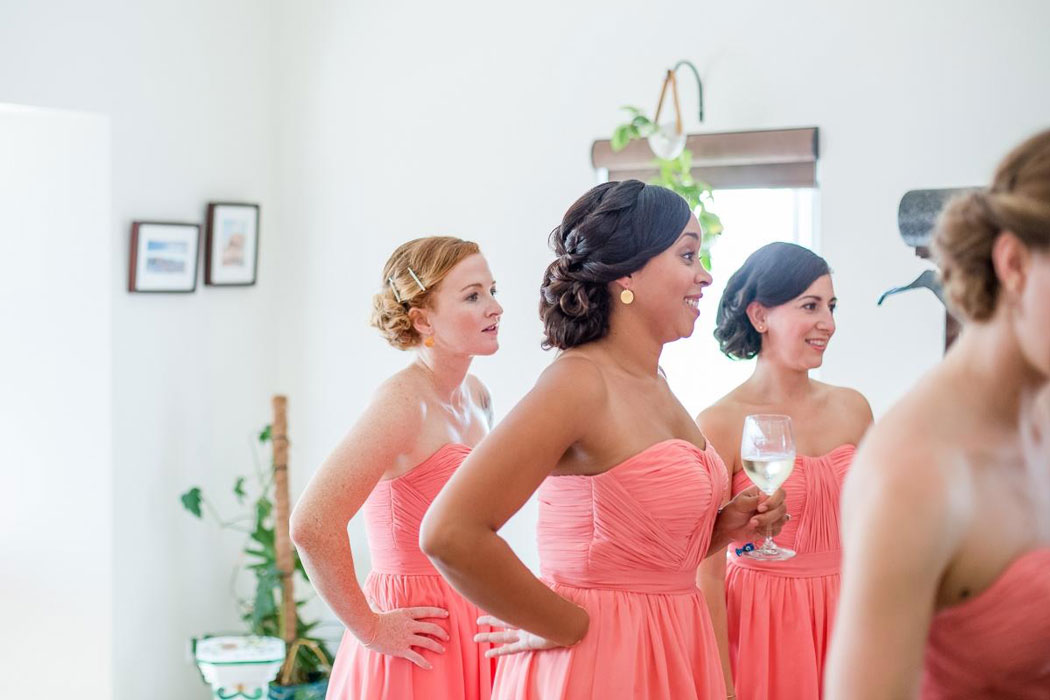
pixel 773 275
pixel 609 232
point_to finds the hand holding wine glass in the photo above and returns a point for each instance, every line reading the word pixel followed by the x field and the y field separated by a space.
pixel 767 450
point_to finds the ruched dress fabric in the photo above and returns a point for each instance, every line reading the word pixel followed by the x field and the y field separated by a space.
pixel 403 577
pixel 625 545
pixel 997 644
pixel 780 614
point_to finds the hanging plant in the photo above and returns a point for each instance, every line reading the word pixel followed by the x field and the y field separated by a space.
pixel 673 161
pixel 675 174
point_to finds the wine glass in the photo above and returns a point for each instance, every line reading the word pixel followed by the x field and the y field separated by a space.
pixel 767 449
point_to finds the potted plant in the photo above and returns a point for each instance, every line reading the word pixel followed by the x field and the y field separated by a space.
pixel 272 610
pixel 673 160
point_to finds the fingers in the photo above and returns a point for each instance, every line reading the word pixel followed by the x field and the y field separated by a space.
pixel 426 612
pixel 503 637
pixel 417 659
pixel 767 503
pixel 427 643
pixel 505 650
pixel 431 629
pixel 751 492
pixel 492 621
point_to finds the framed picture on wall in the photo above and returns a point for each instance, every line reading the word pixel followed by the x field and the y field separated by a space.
pixel 163 257
pixel 231 248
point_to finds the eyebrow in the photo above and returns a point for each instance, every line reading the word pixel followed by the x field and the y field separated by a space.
pixel 476 284
pixel 690 233
pixel 817 298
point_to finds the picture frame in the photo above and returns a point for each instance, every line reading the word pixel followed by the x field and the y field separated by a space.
pixel 231 248
pixel 163 257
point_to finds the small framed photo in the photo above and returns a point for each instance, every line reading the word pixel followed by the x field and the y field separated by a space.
pixel 163 257
pixel 231 248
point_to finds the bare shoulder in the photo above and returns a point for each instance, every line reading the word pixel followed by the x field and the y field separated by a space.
pixel 479 392
pixel 906 459
pixel 852 406
pixel 576 379
pixel 721 423
pixel 398 408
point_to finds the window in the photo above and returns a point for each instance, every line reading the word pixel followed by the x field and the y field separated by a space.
pixel 699 374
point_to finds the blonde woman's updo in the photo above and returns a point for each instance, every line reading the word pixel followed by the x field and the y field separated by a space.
pixel 410 277
pixel 1018 201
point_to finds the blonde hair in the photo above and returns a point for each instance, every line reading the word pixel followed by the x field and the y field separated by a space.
pixel 1018 201
pixel 410 277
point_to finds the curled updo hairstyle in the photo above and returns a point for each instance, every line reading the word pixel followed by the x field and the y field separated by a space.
pixel 608 233
pixel 772 275
pixel 429 259
pixel 1018 201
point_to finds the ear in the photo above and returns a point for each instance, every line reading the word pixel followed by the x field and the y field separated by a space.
pixel 625 282
pixel 1010 259
pixel 420 319
pixel 757 315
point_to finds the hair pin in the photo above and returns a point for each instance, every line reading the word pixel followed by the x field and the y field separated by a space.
pixel 413 274
pixel 393 288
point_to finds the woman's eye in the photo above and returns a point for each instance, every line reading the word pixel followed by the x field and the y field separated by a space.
pixel 690 256
pixel 493 291
pixel 809 307
pixel 473 297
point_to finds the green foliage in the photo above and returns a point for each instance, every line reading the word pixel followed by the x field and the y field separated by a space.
pixel 191 501
pixel 261 612
pixel 676 175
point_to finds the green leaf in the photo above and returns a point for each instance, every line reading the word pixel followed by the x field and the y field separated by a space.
pixel 264 605
pixel 266 434
pixel 238 489
pixel 191 501
pixel 263 508
pixel 619 138
pixel 710 223
pixel 299 565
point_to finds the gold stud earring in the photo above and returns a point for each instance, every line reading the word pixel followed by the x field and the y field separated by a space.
pixel 627 297
pixel 429 341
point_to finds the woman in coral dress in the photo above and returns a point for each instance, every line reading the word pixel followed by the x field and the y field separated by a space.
pixel 946 525
pixel 774 618
pixel 629 490
pixel 409 635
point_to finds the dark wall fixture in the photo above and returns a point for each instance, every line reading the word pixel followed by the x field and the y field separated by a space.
pixel 916 218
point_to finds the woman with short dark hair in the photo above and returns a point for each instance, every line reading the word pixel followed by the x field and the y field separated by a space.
pixel 774 618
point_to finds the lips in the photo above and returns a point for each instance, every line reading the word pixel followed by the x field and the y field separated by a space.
pixel 494 328
pixel 817 343
pixel 693 303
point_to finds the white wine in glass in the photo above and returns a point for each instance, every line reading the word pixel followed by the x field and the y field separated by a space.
pixel 767 449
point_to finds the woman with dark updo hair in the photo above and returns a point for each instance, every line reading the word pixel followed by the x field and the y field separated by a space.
pixel 946 518
pixel 773 619
pixel 632 496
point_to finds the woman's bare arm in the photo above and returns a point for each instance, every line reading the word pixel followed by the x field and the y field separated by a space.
pixel 459 532
pixel 901 526
pixel 386 431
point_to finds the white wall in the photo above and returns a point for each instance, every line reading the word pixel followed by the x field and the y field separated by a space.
pixel 359 125
pixel 186 86
pixel 476 119
pixel 57 467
